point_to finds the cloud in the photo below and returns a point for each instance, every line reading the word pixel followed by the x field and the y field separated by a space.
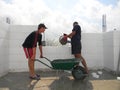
pixel 90 14
pixel 24 11
pixel 87 13
pixel 114 17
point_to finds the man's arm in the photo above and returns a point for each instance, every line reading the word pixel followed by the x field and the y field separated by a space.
pixel 71 34
pixel 41 53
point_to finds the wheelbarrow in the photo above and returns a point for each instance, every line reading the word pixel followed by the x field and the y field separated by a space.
pixel 78 72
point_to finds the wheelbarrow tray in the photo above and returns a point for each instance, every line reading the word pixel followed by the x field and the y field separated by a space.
pixel 64 64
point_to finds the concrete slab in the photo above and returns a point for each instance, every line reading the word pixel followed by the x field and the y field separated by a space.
pixel 106 84
pixel 59 80
pixel 70 84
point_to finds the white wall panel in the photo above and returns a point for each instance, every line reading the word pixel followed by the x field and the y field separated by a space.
pixel 91 49
pixel 101 50
pixel 4 48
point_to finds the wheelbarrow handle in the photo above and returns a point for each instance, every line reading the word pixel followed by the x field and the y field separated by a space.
pixel 43 63
pixel 47 59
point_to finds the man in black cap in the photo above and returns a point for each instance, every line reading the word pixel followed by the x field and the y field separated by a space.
pixel 76 46
pixel 30 45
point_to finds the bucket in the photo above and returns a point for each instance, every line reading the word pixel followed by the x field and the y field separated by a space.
pixel 63 40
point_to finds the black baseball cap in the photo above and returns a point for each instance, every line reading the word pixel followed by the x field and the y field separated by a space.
pixel 42 25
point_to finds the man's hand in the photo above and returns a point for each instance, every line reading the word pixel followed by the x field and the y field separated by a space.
pixel 41 56
pixel 64 34
pixel 33 57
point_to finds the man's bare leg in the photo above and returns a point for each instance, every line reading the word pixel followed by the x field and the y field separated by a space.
pixel 83 61
pixel 31 67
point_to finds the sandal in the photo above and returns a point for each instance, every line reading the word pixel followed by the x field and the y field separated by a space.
pixel 34 77
pixel 37 75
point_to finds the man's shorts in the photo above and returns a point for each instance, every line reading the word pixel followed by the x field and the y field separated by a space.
pixel 76 48
pixel 28 52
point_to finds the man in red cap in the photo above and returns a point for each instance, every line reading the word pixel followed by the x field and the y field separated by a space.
pixel 30 45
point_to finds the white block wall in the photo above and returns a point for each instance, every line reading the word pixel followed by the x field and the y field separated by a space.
pixel 4 48
pixel 101 50
pixel 116 49
pixel 18 62
pixel 92 49
pixel 16 54
pixel 111 49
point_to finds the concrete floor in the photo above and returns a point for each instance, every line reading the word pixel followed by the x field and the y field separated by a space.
pixel 59 80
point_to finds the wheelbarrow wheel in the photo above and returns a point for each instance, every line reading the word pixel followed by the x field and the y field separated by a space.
pixel 78 73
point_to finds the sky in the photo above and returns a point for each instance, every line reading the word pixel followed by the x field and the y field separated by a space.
pixel 58 15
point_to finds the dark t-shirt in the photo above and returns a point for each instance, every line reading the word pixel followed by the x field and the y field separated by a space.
pixel 77 37
pixel 30 40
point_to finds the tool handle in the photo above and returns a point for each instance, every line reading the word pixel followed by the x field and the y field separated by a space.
pixel 47 59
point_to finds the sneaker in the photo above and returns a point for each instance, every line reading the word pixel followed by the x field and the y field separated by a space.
pixel 34 77
pixel 37 75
